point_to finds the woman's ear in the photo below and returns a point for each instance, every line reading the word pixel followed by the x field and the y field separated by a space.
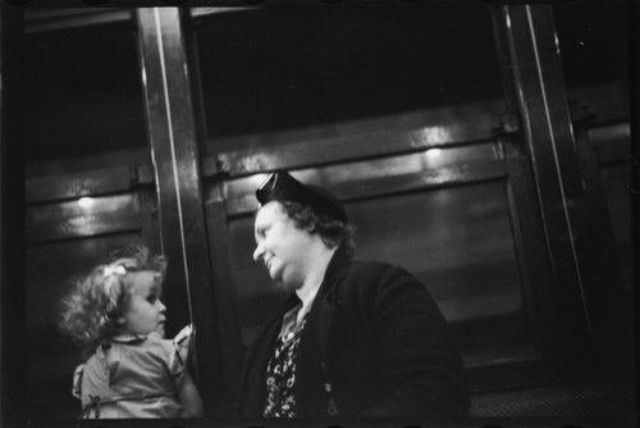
pixel 311 228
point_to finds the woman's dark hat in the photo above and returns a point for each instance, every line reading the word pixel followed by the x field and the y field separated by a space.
pixel 281 186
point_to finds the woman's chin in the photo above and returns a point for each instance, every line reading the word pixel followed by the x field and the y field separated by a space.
pixel 281 280
pixel 275 274
pixel 287 285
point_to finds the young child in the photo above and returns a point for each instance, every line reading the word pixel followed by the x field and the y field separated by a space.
pixel 116 315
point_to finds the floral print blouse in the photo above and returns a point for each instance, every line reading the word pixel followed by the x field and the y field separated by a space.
pixel 281 370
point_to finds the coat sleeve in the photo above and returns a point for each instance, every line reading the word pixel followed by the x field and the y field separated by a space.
pixel 421 371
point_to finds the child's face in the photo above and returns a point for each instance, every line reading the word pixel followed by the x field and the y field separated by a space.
pixel 145 313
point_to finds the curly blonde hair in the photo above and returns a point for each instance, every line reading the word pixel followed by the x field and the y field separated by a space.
pixel 92 311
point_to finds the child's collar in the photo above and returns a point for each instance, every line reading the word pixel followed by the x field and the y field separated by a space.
pixel 129 338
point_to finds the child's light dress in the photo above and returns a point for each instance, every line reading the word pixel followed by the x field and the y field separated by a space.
pixel 133 376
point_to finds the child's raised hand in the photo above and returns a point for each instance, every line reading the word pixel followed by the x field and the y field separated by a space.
pixel 184 334
pixel 182 341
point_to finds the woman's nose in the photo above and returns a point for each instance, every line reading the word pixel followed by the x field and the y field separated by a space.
pixel 258 252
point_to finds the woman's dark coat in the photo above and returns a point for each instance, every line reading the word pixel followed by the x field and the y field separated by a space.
pixel 375 345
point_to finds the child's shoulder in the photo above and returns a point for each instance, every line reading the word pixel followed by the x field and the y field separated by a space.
pixel 155 343
pixel 175 352
pixel 152 343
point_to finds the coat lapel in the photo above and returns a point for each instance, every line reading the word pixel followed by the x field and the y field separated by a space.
pixel 312 364
pixel 255 365
pixel 315 346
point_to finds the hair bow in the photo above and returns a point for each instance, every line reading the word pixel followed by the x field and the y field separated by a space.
pixel 110 272
pixel 114 270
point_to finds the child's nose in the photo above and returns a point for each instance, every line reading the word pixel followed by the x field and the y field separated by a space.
pixel 161 306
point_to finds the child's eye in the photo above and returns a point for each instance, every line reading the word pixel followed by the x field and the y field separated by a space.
pixel 152 298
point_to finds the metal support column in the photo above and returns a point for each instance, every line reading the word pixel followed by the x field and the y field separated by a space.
pixel 530 55
pixel 172 136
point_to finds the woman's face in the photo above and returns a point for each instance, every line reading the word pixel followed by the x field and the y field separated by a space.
pixel 281 246
pixel 145 312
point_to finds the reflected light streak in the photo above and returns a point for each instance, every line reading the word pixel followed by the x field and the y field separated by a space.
pixel 86 225
pixel 433 154
pixel 144 76
pixel 435 135
pixel 556 41
pixel 433 158
pixel 86 202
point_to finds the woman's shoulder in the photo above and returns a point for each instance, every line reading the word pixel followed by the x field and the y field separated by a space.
pixel 367 281
pixel 377 270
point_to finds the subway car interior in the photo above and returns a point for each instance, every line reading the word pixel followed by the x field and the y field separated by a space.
pixel 483 146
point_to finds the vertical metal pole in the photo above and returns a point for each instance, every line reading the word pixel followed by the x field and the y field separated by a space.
pixel 172 136
pixel 534 85
pixel 3 275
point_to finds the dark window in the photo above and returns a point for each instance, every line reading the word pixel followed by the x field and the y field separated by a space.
pixel 594 40
pixel 281 68
pixel 81 92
